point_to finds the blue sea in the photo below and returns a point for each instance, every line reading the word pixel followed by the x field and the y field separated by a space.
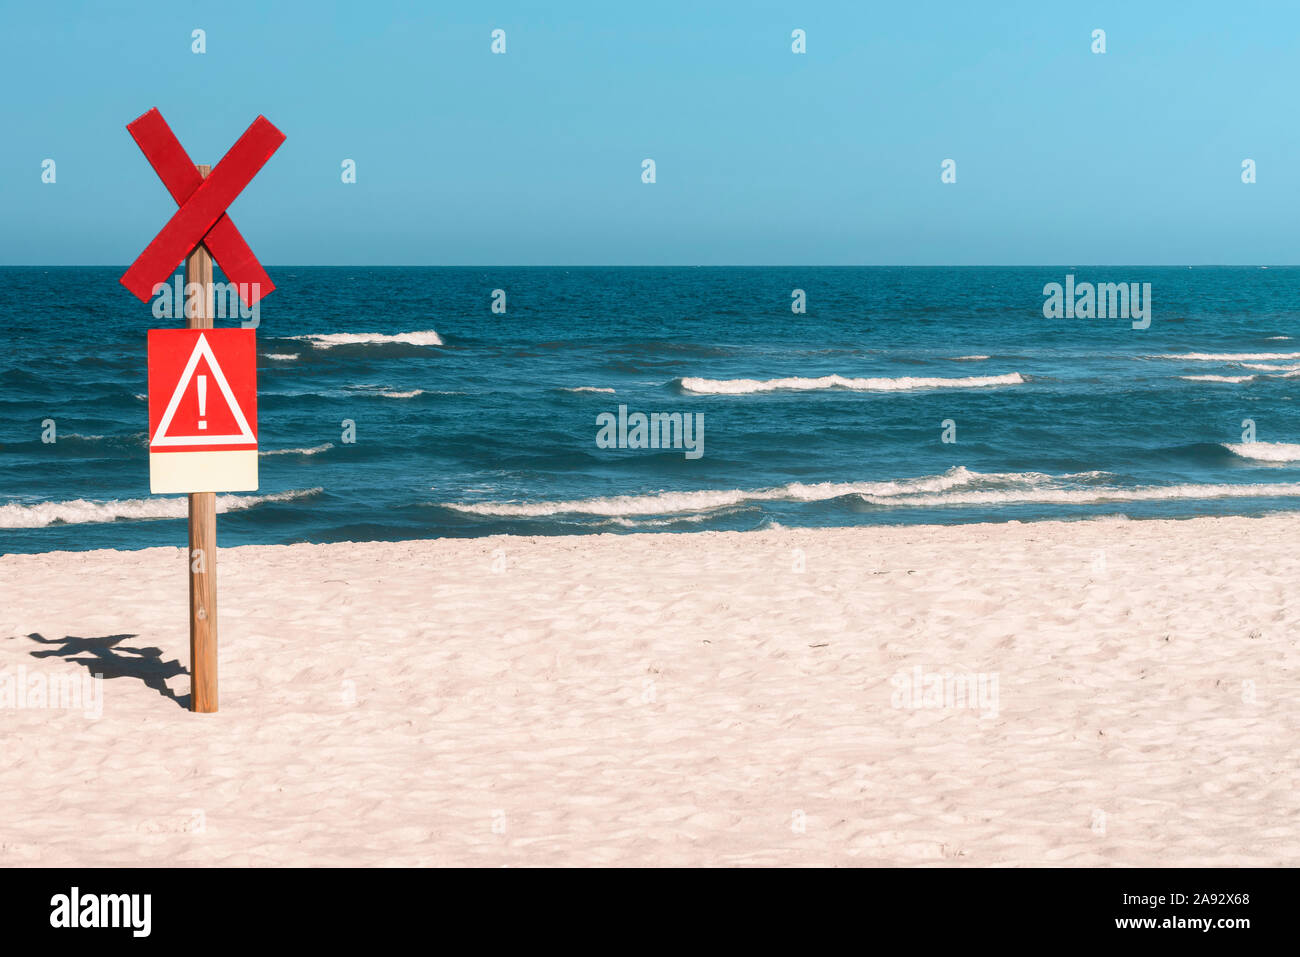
pixel 901 395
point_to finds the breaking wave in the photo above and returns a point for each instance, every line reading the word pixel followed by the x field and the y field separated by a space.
pixel 1093 496
pixel 332 339
pixel 663 503
pixel 1229 356
pixel 802 383
pixel 79 511
pixel 315 449
pixel 957 486
pixel 1265 451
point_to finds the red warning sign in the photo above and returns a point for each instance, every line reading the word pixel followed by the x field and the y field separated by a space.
pixel 202 410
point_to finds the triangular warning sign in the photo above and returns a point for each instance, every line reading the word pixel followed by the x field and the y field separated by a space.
pixel 244 436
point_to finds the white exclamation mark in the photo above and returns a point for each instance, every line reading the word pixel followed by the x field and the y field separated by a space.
pixel 203 401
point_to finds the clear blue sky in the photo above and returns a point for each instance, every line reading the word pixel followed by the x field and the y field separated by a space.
pixel 763 156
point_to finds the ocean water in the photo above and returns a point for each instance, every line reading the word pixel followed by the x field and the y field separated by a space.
pixel 471 423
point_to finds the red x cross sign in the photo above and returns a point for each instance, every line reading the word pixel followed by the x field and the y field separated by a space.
pixel 203 202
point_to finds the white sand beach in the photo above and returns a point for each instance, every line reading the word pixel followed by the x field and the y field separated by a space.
pixel 710 698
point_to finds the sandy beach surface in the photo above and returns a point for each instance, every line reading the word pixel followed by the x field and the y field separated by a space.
pixel 790 696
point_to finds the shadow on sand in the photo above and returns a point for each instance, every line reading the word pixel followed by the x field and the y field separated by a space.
pixel 108 657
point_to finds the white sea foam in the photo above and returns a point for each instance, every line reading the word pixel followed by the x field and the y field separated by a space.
pixel 969 358
pixel 692 517
pixel 663 503
pixel 1270 367
pixel 957 486
pixel 330 340
pixel 1090 496
pixel 1279 337
pixel 1217 378
pixel 1265 451
pixel 1228 356
pixel 311 451
pixel 586 388
pixel 801 383
pixel 78 511
pixel 281 356
pixel 385 391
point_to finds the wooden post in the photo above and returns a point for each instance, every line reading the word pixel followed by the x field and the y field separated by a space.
pixel 203 520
